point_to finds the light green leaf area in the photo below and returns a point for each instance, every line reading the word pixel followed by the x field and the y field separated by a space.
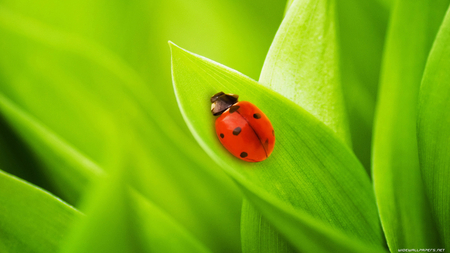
pixel 404 210
pixel 31 220
pixel 302 65
pixel 288 5
pixel 55 77
pixel 310 171
pixel 119 219
pixel 362 28
pixel 433 130
pixel 94 107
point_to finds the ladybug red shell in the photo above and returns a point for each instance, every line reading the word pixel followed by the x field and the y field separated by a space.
pixel 242 128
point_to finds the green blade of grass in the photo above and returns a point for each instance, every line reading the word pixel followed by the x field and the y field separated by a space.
pixel 302 65
pixel 311 170
pixel 119 219
pixel 433 124
pixel 404 209
pixel 31 220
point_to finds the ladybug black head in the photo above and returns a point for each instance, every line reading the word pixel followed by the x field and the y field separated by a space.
pixel 221 102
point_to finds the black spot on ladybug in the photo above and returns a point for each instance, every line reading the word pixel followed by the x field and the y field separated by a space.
pixel 266 144
pixel 244 154
pixel 221 136
pixel 257 116
pixel 237 131
pixel 273 132
pixel 234 108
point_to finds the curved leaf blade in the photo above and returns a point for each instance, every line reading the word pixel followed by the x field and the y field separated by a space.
pixel 404 209
pixel 31 220
pixel 433 124
pixel 310 169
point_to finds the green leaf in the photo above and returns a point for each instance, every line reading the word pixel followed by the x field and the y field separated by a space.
pixel 302 65
pixel 362 29
pixel 433 130
pixel 119 219
pixel 404 208
pixel 310 171
pixel 288 5
pixel 31 220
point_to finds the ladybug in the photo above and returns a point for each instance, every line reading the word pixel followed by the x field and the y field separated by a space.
pixel 242 128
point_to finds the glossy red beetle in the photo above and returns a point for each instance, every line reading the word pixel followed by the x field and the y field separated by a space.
pixel 242 128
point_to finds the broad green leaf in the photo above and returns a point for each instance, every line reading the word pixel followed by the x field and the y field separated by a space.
pixel 362 28
pixel 88 81
pixel 404 208
pixel 433 130
pixel 119 219
pixel 31 220
pixel 311 175
pixel 302 65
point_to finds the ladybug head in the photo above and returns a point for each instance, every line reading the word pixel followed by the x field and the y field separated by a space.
pixel 221 102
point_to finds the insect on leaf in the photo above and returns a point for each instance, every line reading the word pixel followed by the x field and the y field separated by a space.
pixel 310 171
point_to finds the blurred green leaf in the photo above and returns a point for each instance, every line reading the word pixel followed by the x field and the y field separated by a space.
pixel 331 185
pixel 119 219
pixel 137 32
pixel 404 208
pixel 69 170
pixel 433 125
pixel 96 103
pixel 31 220
pixel 302 65
pixel 362 28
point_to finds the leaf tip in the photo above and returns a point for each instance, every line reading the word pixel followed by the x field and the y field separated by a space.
pixel 174 47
